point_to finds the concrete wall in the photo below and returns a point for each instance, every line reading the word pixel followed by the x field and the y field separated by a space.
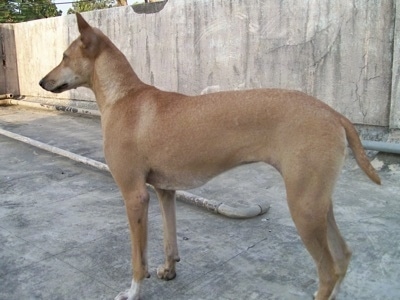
pixel 339 51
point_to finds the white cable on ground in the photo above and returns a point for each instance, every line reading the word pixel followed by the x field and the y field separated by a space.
pixel 52 107
pixel 211 205
pixel 52 149
pixel 239 212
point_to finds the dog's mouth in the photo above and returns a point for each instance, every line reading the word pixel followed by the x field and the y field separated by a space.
pixel 48 85
pixel 60 88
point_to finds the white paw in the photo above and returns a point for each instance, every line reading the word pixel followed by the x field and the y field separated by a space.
pixel 132 294
pixel 332 297
pixel 122 296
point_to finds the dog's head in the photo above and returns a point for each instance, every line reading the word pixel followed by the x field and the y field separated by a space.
pixel 77 64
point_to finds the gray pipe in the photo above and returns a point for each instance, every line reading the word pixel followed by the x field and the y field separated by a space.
pixel 382 146
pixel 211 205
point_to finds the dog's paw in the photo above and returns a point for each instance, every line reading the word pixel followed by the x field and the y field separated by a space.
pixel 165 274
pixel 132 294
pixel 123 296
pixel 315 296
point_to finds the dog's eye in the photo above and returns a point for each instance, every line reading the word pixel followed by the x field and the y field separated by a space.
pixel 65 56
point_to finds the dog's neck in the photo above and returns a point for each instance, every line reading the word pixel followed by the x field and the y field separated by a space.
pixel 113 78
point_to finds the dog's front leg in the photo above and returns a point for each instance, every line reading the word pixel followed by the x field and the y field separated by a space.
pixel 136 202
pixel 167 202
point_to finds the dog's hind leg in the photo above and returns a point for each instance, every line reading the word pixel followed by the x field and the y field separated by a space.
pixel 339 250
pixel 309 189
pixel 136 201
pixel 167 202
pixel 311 224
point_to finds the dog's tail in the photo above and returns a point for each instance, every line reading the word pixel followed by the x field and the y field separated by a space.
pixel 355 144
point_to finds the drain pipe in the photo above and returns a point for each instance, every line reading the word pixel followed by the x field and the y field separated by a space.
pixel 6 96
pixel 240 212
pixel 382 146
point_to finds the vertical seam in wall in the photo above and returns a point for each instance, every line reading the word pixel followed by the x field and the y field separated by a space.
pixel 393 75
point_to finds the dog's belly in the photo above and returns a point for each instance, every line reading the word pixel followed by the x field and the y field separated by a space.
pixel 187 178
pixel 177 180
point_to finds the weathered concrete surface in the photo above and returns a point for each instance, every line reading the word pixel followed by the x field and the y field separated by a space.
pixel 64 234
pixel 339 51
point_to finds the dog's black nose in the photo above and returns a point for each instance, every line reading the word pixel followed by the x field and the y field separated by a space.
pixel 41 82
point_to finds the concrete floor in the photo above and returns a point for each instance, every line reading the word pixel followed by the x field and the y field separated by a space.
pixel 64 233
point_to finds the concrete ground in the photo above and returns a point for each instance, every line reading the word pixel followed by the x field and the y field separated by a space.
pixel 64 233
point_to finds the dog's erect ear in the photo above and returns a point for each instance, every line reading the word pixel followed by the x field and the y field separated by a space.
pixel 82 24
pixel 88 36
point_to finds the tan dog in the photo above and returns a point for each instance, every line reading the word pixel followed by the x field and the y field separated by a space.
pixel 173 141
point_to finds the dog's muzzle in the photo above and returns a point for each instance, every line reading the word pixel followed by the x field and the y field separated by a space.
pixel 48 85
